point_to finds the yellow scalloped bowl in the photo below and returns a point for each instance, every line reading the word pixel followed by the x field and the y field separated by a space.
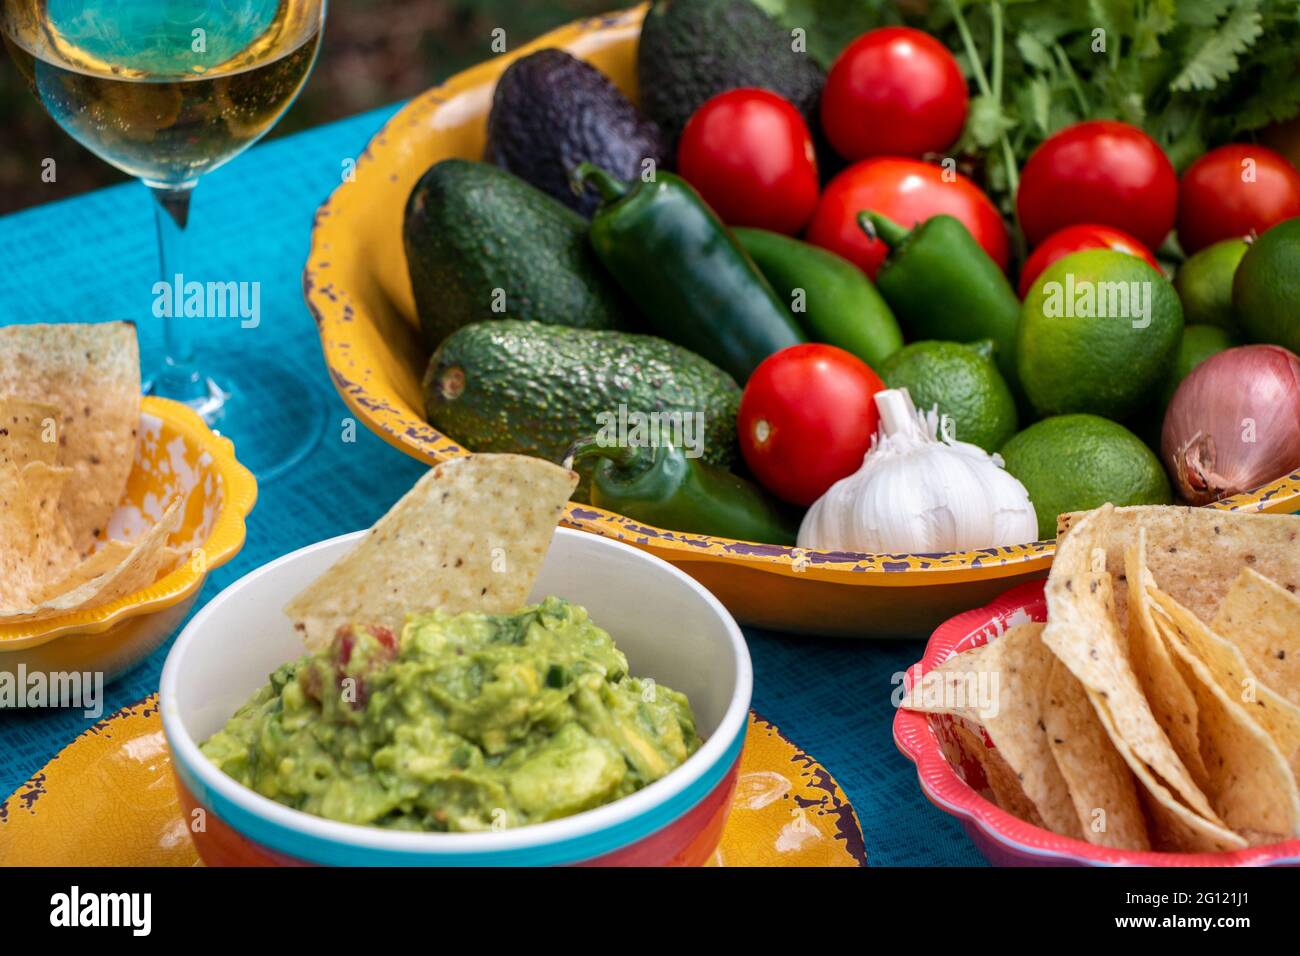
pixel 177 455
pixel 357 287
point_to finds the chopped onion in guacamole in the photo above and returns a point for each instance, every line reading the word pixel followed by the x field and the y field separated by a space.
pixel 467 722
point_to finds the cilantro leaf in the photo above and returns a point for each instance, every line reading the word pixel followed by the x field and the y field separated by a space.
pixel 1218 49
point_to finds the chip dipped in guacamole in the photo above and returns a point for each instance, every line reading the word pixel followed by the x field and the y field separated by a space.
pixel 463 722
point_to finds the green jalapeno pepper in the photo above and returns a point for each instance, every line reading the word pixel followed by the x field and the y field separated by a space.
pixel 662 487
pixel 688 274
pixel 942 285
pixel 832 299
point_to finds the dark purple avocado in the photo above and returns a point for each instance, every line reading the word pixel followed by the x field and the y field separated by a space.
pixel 551 111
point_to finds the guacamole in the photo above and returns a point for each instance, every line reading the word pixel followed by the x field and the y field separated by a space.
pixel 464 723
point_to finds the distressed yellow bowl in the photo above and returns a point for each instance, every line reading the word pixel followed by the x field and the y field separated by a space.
pixel 357 287
pixel 176 454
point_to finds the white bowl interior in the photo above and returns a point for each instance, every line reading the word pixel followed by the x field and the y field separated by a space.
pixel 669 628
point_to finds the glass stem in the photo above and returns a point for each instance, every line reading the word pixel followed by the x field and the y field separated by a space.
pixel 178 378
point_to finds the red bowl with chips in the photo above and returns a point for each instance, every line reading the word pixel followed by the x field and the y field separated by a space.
pixel 954 781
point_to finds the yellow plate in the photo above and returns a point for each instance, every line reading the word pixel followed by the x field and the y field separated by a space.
pixel 177 455
pixel 108 800
pixel 357 287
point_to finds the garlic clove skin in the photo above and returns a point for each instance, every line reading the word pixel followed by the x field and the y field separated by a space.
pixel 918 494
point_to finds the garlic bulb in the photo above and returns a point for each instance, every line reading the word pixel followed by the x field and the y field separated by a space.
pixel 917 493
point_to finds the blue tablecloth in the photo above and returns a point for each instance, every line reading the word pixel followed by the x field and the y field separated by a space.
pixel 94 258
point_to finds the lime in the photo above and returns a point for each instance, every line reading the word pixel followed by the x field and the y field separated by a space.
pixel 1199 343
pixel 1098 332
pixel 1079 462
pixel 963 381
pixel 1266 290
pixel 1204 284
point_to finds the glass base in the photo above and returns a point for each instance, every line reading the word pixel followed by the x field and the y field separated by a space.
pixel 274 419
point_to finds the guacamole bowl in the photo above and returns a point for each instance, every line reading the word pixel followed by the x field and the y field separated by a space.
pixel 670 628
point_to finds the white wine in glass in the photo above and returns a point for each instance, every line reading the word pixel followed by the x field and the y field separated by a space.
pixel 167 90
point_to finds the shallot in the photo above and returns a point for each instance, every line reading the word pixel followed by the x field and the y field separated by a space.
pixel 1234 423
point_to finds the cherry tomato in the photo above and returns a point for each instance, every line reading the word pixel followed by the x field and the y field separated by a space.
pixel 806 419
pixel 1232 191
pixel 749 154
pixel 893 92
pixel 907 191
pixel 1099 171
pixel 1073 239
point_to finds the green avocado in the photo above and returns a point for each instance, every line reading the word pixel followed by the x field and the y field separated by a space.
pixel 534 389
pixel 692 50
pixel 551 111
pixel 468 723
pixel 483 244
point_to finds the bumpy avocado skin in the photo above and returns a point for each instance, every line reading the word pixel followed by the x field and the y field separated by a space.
pixel 534 389
pixel 692 50
pixel 483 244
pixel 551 111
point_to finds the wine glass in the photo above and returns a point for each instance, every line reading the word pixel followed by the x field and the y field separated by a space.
pixel 167 90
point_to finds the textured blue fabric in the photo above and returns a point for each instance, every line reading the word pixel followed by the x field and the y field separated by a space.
pixel 94 257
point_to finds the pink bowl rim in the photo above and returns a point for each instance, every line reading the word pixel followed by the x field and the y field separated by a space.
pixel 944 788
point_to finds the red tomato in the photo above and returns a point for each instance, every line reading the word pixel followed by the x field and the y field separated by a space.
pixel 893 92
pixel 1100 171
pixel 1073 239
pixel 749 154
pixel 1232 191
pixel 806 419
pixel 907 191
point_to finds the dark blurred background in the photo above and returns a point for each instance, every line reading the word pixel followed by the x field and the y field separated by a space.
pixel 374 52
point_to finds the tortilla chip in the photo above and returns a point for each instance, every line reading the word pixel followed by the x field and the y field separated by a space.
pixel 92 373
pixel 1196 553
pixel 1017 729
pixel 1252 787
pixel 28 431
pixel 1002 780
pixel 1170 698
pixel 139 569
pixel 470 536
pixel 1266 707
pixel 959 686
pixel 1225 663
pixel 1262 618
pixel 1174 827
pixel 108 557
pixel 20 570
pixel 54 552
pixel 173 558
pixel 34 543
pixel 1101 786
pixel 1013 667
pixel 1083 632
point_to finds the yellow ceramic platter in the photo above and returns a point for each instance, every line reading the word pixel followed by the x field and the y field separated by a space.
pixel 108 800
pixel 177 454
pixel 357 287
